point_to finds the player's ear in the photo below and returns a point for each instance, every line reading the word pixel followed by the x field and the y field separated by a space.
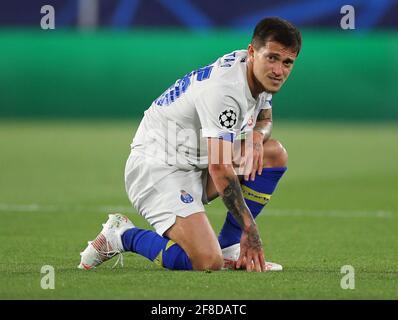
pixel 250 51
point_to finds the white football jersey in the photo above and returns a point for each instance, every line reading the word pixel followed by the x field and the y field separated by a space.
pixel 213 101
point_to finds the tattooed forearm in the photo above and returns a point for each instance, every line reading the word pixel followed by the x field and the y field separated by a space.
pixel 233 199
pixel 263 115
pixel 229 189
pixel 265 128
pixel 264 123
pixel 253 239
pixel 257 146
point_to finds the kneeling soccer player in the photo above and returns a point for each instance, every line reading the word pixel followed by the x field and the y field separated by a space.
pixel 188 150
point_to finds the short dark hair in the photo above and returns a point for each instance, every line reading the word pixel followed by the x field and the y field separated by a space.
pixel 278 30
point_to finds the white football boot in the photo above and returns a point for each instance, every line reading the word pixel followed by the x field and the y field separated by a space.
pixel 231 255
pixel 107 244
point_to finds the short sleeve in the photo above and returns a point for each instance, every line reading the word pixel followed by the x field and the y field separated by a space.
pixel 218 113
pixel 266 103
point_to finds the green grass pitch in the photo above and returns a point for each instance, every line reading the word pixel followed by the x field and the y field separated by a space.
pixel 337 205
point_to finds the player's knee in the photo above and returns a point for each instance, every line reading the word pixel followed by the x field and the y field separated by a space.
pixel 208 261
pixel 275 154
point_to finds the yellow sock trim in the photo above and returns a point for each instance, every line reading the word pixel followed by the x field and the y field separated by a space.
pixel 256 196
pixel 169 244
pixel 159 259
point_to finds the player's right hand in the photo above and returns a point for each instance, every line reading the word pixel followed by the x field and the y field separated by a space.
pixel 251 251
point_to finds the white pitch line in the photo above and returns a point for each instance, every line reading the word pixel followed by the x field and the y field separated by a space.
pixel 22 207
pixel 328 213
pixel 35 207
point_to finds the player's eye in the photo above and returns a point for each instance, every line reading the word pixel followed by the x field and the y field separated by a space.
pixel 271 58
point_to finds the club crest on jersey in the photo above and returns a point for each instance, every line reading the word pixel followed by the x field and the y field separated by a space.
pixel 227 118
pixel 186 197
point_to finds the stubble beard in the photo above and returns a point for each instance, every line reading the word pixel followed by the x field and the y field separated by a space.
pixel 264 88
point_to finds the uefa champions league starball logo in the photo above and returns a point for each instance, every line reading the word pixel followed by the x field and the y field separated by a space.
pixel 227 118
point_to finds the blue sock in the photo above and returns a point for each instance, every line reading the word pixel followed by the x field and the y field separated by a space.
pixel 160 250
pixel 257 193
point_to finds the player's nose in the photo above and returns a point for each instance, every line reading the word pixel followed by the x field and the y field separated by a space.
pixel 277 71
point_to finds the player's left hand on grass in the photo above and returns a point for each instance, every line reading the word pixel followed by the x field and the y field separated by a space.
pixel 256 149
pixel 251 251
